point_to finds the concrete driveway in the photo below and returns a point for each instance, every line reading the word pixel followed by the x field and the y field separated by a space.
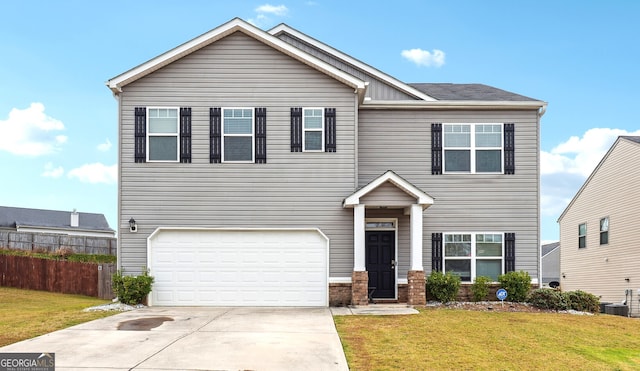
pixel 171 338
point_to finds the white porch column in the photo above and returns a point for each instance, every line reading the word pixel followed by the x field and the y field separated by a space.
pixel 358 239
pixel 416 237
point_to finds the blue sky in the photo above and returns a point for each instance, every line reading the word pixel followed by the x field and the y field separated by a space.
pixel 58 120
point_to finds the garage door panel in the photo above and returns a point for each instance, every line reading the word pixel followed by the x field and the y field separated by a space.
pixel 239 268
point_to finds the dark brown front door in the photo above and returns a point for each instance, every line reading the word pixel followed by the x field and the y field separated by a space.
pixel 380 254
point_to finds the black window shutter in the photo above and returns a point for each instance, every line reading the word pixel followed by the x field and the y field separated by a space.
pixel 185 135
pixel 509 252
pixel 261 135
pixel 436 148
pixel 329 129
pixel 509 149
pixel 436 252
pixel 296 129
pixel 215 135
pixel 140 134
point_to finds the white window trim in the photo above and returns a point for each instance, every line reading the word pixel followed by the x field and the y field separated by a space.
pixel 473 256
pixel 472 148
pixel 253 135
pixel 304 130
pixel 176 135
pixel 600 231
pixel 582 235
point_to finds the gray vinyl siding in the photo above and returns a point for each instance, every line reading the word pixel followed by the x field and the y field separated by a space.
pixel 613 191
pixel 291 190
pixel 401 141
pixel 377 89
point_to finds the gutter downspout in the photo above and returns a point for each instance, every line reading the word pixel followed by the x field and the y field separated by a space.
pixel 541 112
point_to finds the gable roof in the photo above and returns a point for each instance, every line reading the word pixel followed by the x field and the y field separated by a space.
pixel 14 217
pixel 407 89
pixel 389 176
pixel 448 91
pixel 547 248
pixel 235 25
pixel 632 139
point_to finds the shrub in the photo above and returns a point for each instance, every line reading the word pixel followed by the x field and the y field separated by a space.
pixel 132 290
pixel 480 288
pixel 548 299
pixel 583 301
pixel 517 285
pixel 443 287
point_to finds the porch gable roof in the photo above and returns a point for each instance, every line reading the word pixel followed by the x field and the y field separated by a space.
pixel 389 176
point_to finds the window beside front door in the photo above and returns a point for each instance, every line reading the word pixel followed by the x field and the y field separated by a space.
pixel 470 255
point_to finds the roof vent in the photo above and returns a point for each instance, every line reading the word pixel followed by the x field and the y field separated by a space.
pixel 75 218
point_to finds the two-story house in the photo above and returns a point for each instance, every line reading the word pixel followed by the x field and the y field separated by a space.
pixel 598 253
pixel 270 169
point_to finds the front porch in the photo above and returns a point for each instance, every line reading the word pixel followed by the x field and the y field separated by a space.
pixel 388 226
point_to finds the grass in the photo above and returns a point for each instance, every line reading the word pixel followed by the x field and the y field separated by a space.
pixel 25 314
pixel 447 339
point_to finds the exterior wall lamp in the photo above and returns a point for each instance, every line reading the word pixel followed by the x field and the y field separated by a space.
pixel 133 227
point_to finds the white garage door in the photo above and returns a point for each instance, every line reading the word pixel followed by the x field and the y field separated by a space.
pixel 238 267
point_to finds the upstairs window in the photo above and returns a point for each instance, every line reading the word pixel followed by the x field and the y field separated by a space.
pixel 604 231
pixel 582 235
pixel 473 148
pixel 313 127
pixel 162 138
pixel 238 138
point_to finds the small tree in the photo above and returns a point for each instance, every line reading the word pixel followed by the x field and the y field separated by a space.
pixel 131 290
pixel 517 285
pixel 480 288
pixel 443 287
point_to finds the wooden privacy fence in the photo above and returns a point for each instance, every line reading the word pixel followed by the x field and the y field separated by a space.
pixel 31 241
pixel 88 279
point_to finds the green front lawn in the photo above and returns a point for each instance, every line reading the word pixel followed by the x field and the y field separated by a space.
pixel 25 314
pixel 450 339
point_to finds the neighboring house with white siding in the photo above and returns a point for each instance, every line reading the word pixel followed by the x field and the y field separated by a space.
pixel 270 169
pixel 598 251
pixel 72 223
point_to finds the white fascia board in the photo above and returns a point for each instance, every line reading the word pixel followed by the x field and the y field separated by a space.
pixel 70 231
pixel 421 198
pixel 454 104
pixel 354 62
pixel 236 24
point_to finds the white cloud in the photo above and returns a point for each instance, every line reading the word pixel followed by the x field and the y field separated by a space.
pixel 566 167
pixel 52 172
pixel 279 10
pixel 264 11
pixel 95 173
pixel 104 147
pixel 580 155
pixel 30 132
pixel 425 58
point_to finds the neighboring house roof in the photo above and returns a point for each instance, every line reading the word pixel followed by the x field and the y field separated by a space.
pixel 449 91
pixel 16 217
pixel 547 248
pixel 633 139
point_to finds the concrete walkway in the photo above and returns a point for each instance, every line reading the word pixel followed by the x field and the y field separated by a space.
pixel 374 309
pixel 162 338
